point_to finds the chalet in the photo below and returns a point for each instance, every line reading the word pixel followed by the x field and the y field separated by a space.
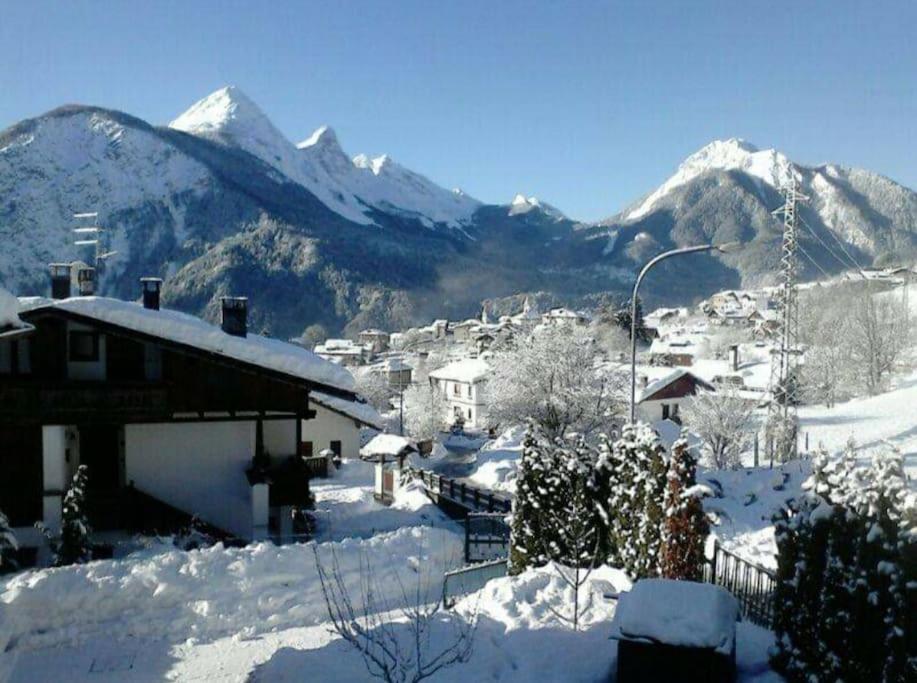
pixel 462 384
pixel 395 371
pixel 344 352
pixel 663 398
pixel 377 340
pixel 172 416
pixel 676 350
pixel 563 316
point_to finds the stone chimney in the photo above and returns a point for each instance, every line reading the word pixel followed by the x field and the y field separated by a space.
pixel 60 280
pixel 86 280
pixel 734 357
pixel 151 287
pixel 235 315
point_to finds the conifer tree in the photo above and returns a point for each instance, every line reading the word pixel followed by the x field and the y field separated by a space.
pixel 533 494
pixel 686 525
pixel 73 544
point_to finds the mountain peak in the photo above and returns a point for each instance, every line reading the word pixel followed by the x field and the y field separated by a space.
pixel 223 109
pixel 376 165
pixel 767 166
pixel 323 136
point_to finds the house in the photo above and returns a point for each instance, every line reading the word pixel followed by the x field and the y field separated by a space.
pixel 563 316
pixel 663 397
pixel 676 350
pixel 377 340
pixel 396 372
pixel 345 352
pixel 463 386
pixel 173 416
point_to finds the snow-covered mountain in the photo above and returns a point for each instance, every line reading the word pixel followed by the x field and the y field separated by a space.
pixel 732 186
pixel 349 187
pixel 220 202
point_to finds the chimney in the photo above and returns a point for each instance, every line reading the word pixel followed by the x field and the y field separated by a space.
pixel 86 280
pixel 235 315
pixel 642 381
pixel 151 288
pixel 734 357
pixel 60 280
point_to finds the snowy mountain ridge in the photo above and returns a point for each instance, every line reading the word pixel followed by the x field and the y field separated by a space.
pixel 350 187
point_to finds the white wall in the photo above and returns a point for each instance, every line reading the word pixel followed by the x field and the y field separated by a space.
pixel 280 438
pixel 196 467
pixel 328 426
pixel 651 411
pixel 94 370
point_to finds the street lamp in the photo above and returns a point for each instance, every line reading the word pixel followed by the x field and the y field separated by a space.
pixel 722 248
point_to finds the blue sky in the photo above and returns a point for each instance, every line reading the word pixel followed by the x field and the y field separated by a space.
pixel 587 105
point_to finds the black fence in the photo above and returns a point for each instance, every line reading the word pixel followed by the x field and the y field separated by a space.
pixel 752 584
pixel 486 537
pixel 465 495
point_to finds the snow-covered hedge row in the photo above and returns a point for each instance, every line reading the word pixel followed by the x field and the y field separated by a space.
pixel 212 592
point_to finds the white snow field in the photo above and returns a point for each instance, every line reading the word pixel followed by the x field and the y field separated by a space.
pixel 257 614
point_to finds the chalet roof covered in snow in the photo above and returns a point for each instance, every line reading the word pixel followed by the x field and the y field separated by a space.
pixel 181 328
pixel 10 324
pixel 356 409
pixel 657 385
pixel 387 444
pixel 679 613
pixel 468 370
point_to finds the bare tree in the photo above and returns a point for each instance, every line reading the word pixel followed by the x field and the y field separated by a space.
pixel 373 386
pixel 723 420
pixel 396 641
pixel 878 337
pixel 554 378
pixel 424 411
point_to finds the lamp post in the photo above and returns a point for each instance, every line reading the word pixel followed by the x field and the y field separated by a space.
pixel 722 248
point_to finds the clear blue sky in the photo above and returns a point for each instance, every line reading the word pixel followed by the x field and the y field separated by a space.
pixel 587 105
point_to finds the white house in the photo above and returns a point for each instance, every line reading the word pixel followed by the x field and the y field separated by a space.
pixel 171 415
pixel 463 385
pixel 662 398
pixel 563 316
pixel 345 352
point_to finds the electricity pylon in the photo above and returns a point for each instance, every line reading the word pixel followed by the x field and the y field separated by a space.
pixel 782 424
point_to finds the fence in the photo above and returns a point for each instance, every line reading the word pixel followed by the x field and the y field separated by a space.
pixel 317 466
pixel 486 536
pixel 752 584
pixel 465 495
pixel 467 580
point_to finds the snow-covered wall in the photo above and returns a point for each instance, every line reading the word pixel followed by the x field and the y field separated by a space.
pixel 328 426
pixel 198 468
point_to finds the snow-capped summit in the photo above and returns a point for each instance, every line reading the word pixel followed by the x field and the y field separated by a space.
pixel 350 187
pixel 522 205
pixel 767 166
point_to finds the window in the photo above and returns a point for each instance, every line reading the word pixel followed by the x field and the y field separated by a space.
pixel 336 448
pixel 305 449
pixel 469 413
pixel 456 389
pixel 84 346
pixel 665 411
pixel 469 391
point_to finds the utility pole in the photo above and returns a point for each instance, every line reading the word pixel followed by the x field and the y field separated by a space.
pixel 782 424
pixel 91 236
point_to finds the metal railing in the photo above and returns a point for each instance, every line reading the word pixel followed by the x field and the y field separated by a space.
pixel 467 580
pixel 467 496
pixel 752 584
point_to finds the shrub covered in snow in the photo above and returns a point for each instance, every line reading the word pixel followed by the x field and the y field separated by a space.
pixel 686 525
pixel 73 544
pixel 846 600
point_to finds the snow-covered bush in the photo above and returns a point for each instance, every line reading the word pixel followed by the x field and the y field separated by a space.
pixel 552 377
pixel 846 596
pixel 686 526
pixel 375 389
pixel 634 471
pixel 73 544
pixel 723 420
pixel 8 544
pixel 424 411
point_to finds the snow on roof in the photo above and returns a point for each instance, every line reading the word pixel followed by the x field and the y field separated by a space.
pixel 358 410
pixel 679 613
pixel 10 324
pixel 391 364
pixel 664 381
pixel 467 370
pixel 387 444
pixel 182 328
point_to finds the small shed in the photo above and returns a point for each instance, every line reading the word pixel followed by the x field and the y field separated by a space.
pixel 388 452
pixel 676 631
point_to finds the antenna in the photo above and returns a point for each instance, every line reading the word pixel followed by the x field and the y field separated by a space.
pixel 92 236
pixel 782 425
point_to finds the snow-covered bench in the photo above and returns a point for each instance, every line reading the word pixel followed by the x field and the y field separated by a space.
pixel 676 631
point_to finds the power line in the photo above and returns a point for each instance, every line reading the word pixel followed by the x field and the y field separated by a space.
pixel 812 260
pixel 827 247
pixel 855 263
